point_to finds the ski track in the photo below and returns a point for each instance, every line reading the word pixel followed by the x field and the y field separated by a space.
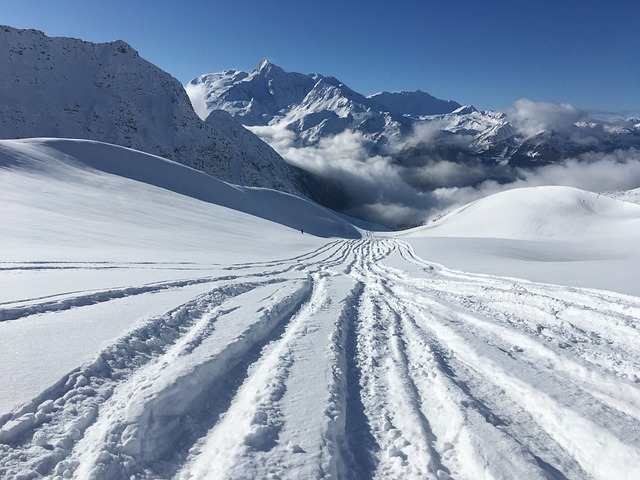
pixel 334 364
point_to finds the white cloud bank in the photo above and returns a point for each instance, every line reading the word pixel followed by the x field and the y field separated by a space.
pixel 380 190
pixel 534 117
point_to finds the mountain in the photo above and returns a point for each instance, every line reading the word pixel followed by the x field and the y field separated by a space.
pixel 63 87
pixel 313 106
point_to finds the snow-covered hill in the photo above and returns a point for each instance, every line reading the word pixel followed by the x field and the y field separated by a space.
pixel 63 87
pixel 560 235
pixel 542 212
pixel 158 323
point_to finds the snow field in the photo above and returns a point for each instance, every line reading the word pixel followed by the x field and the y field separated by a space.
pixel 253 351
pixel 336 365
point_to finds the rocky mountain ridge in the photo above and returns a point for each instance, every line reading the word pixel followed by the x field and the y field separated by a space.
pixel 313 106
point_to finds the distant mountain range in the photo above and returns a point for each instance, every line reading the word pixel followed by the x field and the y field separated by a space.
pixel 315 106
pixel 64 87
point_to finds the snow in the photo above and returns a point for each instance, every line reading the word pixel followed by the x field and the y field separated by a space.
pixel 413 103
pixel 64 87
pixel 158 323
pixel 549 234
pixel 632 196
pixel 538 213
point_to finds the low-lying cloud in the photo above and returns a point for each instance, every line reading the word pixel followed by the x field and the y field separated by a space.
pixel 408 187
pixel 619 170
pixel 534 117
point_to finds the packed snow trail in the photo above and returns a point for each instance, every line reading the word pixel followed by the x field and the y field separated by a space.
pixel 357 360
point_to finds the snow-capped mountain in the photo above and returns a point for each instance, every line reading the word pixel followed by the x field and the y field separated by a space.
pixel 63 87
pixel 315 107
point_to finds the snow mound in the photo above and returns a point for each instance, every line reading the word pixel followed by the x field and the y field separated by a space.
pixel 551 212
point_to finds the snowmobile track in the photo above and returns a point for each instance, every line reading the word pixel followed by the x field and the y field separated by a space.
pixel 356 360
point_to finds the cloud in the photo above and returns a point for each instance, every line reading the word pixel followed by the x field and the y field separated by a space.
pixel 619 170
pixel 422 133
pixel 372 184
pixel 594 172
pixel 531 118
pixel 410 186
pixel 278 137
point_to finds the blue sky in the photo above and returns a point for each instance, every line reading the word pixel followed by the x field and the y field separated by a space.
pixel 486 53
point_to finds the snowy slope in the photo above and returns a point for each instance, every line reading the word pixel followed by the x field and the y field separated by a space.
pixel 77 168
pixel 150 329
pixel 632 195
pixel 553 234
pixel 416 103
pixel 63 87
pixel 541 212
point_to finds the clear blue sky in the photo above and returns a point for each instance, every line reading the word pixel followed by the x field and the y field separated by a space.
pixel 488 53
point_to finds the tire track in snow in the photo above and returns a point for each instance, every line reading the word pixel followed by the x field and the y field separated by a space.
pixel 153 420
pixel 473 436
pixel 328 249
pixel 485 320
pixel 60 302
pixel 470 348
pixel 401 431
pixel 253 421
pixel 600 451
pixel 277 393
pixel 17 313
pixel 389 434
pixel 422 383
pixel 360 371
pixel 63 413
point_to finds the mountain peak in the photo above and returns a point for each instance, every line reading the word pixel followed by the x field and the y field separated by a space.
pixel 465 110
pixel 412 103
pixel 266 67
